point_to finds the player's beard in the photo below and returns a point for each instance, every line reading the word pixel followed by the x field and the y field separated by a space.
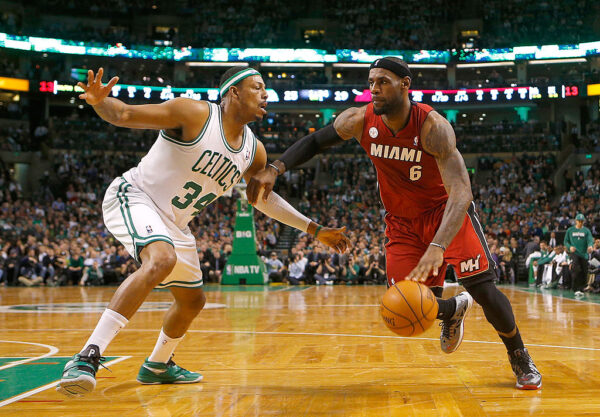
pixel 387 107
pixel 381 110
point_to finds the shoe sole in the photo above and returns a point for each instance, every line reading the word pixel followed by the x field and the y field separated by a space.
pixel 76 387
pixel 462 327
pixel 174 382
pixel 528 387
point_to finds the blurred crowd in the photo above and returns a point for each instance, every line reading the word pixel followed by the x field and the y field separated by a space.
pixel 516 201
pixel 278 131
pixel 506 137
pixel 58 237
pixel 508 22
pixel 336 24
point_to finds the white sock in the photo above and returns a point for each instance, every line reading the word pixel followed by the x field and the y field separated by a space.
pixel 107 328
pixel 164 348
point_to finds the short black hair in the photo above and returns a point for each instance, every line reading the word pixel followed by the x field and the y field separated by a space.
pixel 230 73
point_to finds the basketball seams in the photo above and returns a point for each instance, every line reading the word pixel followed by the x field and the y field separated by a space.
pixel 426 315
pixel 409 306
pixel 410 322
pixel 421 299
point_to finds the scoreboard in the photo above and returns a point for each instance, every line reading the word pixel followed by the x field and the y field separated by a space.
pixel 345 95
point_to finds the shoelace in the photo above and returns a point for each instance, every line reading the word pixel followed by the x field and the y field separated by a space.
pixel 524 362
pixel 95 360
pixel 445 329
pixel 170 362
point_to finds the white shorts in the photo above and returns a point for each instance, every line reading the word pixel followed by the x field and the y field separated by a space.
pixel 132 218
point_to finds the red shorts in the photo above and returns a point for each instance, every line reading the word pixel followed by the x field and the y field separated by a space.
pixel 408 239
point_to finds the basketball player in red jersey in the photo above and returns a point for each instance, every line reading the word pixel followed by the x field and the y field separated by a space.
pixel 431 220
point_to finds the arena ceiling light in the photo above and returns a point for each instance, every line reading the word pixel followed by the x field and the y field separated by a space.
pixel 367 65
pixel 351 65
pixel 216 64
pixel 292 64
pixel 556 61
pixel 426 66
pixel 487 64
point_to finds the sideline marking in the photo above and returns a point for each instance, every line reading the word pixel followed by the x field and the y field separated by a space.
pixel 559 296
pixel 373 336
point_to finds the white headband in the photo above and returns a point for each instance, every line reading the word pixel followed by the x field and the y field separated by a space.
pixel 236 78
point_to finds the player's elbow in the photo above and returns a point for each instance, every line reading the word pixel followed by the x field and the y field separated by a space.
pixel 468 196
pixel 461 195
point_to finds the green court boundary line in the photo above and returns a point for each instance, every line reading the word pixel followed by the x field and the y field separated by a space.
pixel 51 384
pixel 556 293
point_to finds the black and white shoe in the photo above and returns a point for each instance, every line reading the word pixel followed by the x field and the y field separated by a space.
pixel 453 328
pixel 79 375
pixel 528 376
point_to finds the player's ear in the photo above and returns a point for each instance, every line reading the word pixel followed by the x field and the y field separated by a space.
pixel 234 91
pixel 406 82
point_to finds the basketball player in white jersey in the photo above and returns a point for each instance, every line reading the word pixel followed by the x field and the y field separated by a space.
pixel 202 150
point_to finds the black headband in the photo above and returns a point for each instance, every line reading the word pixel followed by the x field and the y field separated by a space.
pixel 391 65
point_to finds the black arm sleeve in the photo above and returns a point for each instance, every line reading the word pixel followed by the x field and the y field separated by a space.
pixel 307 147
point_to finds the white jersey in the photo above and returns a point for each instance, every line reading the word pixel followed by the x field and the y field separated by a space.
pixel 181 178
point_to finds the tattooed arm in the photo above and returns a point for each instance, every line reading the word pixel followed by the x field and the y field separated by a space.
pixel 439 140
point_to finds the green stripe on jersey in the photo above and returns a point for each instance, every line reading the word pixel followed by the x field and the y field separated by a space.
pixel 197 139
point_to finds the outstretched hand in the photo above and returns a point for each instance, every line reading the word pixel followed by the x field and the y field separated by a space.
pixel 265 178
pixel 432 260
pixel 334 238
pixel 95 92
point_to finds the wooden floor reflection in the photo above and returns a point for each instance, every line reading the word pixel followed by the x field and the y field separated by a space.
pixel 317 351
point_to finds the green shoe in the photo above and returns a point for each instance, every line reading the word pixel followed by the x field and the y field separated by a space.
pixel 79 375
pixel 152 373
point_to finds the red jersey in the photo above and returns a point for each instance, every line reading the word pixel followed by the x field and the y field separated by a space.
pixel 409 179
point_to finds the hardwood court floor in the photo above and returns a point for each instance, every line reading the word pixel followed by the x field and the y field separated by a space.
pixel 316 351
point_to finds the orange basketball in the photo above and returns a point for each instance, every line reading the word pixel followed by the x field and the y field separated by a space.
pixel 408 308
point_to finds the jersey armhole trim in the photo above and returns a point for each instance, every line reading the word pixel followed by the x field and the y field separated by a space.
pixel 255 145
pixel 227 145
pixel 198 138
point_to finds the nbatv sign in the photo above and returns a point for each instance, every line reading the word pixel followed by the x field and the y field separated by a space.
pixel 243 265
pixel 242 269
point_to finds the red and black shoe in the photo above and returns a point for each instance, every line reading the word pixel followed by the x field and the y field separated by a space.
pixel 528 376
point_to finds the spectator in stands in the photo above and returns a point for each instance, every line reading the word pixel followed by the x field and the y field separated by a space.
pixel 506 266
pixel 215 272
pixel 560 271
pixel 544 264
pixel 532 246
pixel 552 242
pixel 75 266
pixel 275 268
pixel 326 272
pixel 352 270
pixel 29 269
pixel 92 269
pixel 296 268
pixel 579 242
pixel 594 285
